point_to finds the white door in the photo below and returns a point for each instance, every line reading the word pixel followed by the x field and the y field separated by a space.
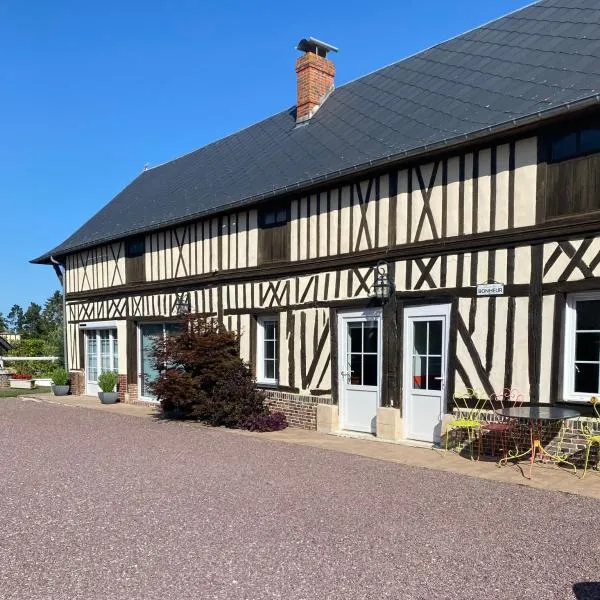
pixel 425 366
pixel 359 365
pixel 101 354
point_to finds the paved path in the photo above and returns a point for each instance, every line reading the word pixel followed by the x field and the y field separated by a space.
pixel 100 505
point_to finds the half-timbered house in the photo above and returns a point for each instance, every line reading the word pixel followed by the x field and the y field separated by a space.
pixel 466 176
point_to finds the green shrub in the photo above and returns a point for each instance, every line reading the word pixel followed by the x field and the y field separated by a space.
pixel 60 377
pixel 33 347
pixel 107 381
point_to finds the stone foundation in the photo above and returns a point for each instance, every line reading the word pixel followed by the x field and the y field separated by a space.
pixel 300 411
pixel 389 424
pixel 564 438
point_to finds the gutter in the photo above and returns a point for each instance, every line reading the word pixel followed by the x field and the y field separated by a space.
pixel 445 144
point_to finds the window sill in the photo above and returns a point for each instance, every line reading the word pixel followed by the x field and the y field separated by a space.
pixel 267 384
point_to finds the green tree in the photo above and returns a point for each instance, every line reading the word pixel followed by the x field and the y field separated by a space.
pixel 3 323
pixel 14 319
pixel 52 318
pixel 33 323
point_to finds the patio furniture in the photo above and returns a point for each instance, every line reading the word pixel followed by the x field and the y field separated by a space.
pixel 541 419
pixel 500 431
pixel 469 406
pixel 592 436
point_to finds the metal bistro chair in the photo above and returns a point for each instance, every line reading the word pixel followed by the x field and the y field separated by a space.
pixel 469 407
pixel 591 435
pixel 501 430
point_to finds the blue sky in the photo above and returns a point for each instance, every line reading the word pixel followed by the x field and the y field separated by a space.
pixel 91 92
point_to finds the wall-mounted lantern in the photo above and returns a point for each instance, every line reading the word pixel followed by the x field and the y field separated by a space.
pixel 383 288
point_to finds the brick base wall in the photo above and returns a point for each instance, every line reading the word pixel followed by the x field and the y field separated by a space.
pixel 300 411
pixel 77 382
pixel 4 377
pixel 564 438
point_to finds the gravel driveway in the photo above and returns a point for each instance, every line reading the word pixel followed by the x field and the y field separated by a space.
pixel 97 505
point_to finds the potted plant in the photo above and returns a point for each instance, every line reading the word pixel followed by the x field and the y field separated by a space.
pixel 21 381
pixel 60 382
pixel 107 381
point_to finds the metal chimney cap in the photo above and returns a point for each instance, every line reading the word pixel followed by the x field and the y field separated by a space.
pixel 315 46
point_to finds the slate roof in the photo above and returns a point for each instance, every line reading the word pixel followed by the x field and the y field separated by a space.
pixel 5 345
pixel 528 64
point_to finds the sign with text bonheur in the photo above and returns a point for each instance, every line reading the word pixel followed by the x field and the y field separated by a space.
pixel 490 289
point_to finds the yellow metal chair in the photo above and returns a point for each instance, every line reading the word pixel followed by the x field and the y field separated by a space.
pixel 469 406
pixel 591 435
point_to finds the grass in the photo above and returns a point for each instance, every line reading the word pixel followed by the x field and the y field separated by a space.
pixel 13 393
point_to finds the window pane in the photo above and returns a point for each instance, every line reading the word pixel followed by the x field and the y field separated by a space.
pixel 419 372
pixel 420 337
pixel 434 373
pixel 590 140
pixel 586 378
pixel 588 314
pixel 282 215
pixel 370 337
pixel 564 147
pixel 356 369
pixel 269 369
pixel 435 337
pixel 171 328
pixel 92 357
pixel 269 218
pixel 370 369
pixel 270 328
pixel 355 337
pixel 587 346
pixel 269 349
pixel 115 352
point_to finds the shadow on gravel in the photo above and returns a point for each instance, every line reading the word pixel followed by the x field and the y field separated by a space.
pixel 587 590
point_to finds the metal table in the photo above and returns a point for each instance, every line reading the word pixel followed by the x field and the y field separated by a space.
pixel 537 415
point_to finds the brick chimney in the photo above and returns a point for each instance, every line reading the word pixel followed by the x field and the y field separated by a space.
pixel 315 73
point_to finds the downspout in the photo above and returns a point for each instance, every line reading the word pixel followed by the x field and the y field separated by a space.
pixel 60 275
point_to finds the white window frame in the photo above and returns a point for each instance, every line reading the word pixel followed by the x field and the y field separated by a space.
pixel 569 393
pixel 260 347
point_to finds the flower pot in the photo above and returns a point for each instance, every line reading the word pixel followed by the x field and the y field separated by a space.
pixel 21 384
pixel 107 397
pixel 60 390
pixel 43 381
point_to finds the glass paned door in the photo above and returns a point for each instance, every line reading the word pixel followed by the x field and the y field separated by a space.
pixel 425 355
pixel 360 365
pixel 102 354
pixel 149 334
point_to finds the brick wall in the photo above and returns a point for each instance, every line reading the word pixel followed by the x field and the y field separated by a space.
pixel 4 377
pixel 300 411
pixel 77 382
pixel 561 438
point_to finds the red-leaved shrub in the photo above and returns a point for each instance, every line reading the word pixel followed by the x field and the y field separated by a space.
pixel 203 377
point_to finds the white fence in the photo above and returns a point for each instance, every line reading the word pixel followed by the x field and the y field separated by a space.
pixel 4 359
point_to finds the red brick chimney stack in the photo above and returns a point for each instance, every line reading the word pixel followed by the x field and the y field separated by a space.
pixel 315 73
